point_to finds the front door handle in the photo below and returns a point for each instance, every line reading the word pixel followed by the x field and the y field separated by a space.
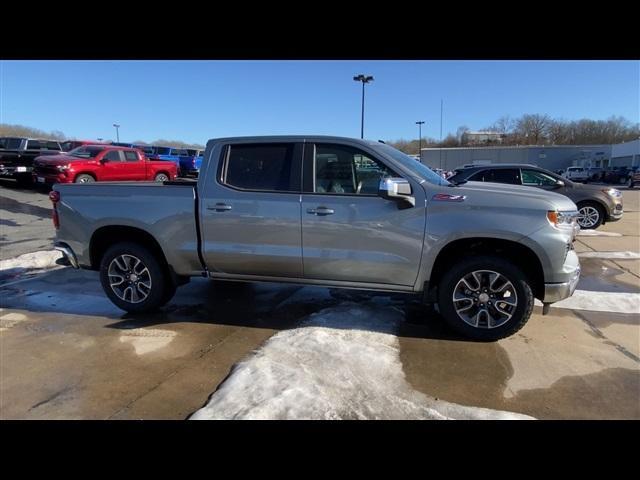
pixel 321 211
pixel 219 207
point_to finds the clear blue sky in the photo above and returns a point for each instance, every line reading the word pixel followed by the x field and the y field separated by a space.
pixel 197 100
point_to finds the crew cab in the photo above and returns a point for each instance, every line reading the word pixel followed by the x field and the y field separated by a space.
pixel 91 163
pixel 328 211
pixel 17 155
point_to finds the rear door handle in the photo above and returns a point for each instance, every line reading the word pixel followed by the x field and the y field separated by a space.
pixel 320 211
pixel 219 207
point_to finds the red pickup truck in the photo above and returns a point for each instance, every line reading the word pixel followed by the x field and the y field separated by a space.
pixel 92 163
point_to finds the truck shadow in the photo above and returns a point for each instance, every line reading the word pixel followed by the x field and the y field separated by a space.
pixel 282 307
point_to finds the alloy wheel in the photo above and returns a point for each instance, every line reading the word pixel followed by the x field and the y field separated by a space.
pixel 485 299
pixel 588 216
pixel 129 278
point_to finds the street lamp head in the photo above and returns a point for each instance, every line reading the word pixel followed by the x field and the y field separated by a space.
pixel 420 123
pixel 116 125
pixel 363 78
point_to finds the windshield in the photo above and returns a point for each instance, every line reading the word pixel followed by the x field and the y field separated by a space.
pixel 10 143
pixel 413 164
pixel 85 152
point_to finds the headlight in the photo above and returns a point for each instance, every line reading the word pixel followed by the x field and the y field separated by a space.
pixel 562 219
pixel 62 168
pixel 613 192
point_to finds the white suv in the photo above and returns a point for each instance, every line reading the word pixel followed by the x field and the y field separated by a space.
pixel 577 174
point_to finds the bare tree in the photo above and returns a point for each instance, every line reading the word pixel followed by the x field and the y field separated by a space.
pixel 532 128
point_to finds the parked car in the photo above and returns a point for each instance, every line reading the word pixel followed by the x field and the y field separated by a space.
pixel 596 204
pixel 71 144
pixel 297 209
pixel 191 167
pixel 594 174
pixel 99 163
pixel 634 177
pixel 617 175
pixel 17 155
pixel 576 174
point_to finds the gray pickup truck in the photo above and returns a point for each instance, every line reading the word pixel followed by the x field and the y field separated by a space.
pixel 327 211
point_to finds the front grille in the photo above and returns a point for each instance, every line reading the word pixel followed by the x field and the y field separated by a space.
pixel 46 170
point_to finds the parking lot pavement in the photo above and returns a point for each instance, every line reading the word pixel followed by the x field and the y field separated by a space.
pixel 67 352
pixel 25 220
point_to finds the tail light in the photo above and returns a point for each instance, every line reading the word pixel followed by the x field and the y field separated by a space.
pixel 55 198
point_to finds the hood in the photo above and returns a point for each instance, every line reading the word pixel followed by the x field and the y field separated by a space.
pixel 502 194
pixel 61 159
pixel 590 188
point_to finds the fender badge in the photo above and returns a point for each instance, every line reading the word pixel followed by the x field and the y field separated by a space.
pixel 445 197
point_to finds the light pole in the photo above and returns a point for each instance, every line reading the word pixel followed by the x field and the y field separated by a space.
pixel 364 79
pixel 117 132
pixel 420 123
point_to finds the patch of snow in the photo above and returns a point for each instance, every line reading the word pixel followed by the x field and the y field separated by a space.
pixel 596 233
pixel 613 302
pixel 620 255
pixel 342 363
pixel 42 259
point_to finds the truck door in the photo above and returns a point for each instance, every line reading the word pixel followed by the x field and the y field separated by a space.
pixel 250 211
pixel 351 234
pixel 111 166
pixel 134 166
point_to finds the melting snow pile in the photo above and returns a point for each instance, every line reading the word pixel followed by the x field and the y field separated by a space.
pixel 29 262
pixel 342 363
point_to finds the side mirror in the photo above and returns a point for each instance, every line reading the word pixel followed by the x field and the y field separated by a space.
pixel 396 188
pixel 559 183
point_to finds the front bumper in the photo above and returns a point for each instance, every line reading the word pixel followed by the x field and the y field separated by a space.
pixel 10 170
pixel 554 292
pixel 50 178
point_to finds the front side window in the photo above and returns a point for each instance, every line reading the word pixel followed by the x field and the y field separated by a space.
pixel 35 145
pixel 112 156
pixel 262 167
pixel 535 178
pixel 339 169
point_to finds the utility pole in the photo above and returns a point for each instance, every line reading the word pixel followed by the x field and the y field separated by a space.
pixel 420 123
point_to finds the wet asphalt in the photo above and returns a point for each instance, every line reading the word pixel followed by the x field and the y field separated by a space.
pixel 68 353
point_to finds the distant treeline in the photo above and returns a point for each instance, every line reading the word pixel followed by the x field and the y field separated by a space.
pixel 7 130
pixel 538 129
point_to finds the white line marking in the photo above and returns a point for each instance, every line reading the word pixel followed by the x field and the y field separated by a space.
pixel 620 255
pixel 613 302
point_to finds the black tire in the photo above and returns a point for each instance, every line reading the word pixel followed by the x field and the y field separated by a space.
pixel 589 207
pixel 630 183
pixel 465 266
pixel 84 178
pixel 160 291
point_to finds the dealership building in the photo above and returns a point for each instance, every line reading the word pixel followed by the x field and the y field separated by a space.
pixel 551 157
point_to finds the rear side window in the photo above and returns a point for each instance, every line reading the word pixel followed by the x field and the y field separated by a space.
pixel 265 167
pixel 506 175
pixel 53 146
pixel 130 156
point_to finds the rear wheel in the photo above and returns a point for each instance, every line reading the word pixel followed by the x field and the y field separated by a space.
pixel 485 298
pixel 590 215
pixel 133 278
pixel 84 178
pixel 161 177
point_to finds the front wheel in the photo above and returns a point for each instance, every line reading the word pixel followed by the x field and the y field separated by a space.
pixel 84 178
pixel 485 298
pixel 590 215
pixel 133 278
pixel 630 183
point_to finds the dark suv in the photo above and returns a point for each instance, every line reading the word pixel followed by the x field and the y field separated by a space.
pixel 597 204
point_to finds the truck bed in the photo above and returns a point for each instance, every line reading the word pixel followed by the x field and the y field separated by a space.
pixel 167 211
